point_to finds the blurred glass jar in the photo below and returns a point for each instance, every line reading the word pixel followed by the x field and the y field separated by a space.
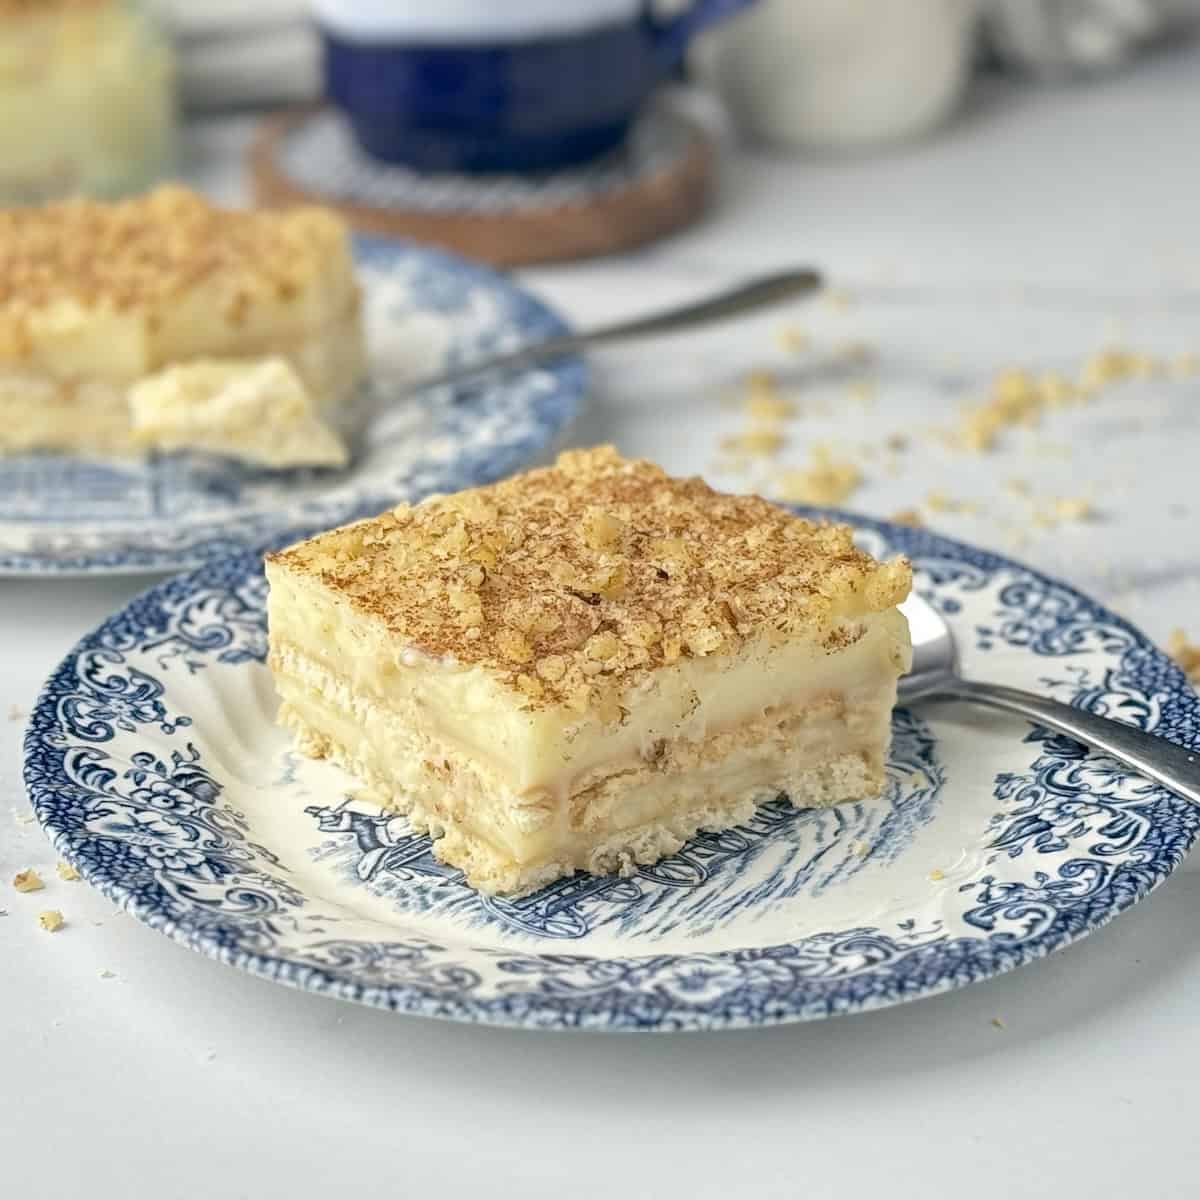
pixel 1059 39
pixel 86 98
pixel 841 74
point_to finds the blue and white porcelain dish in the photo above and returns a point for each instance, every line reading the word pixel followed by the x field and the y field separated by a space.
pixel 423 309
pixel 154 765
pixel 485 86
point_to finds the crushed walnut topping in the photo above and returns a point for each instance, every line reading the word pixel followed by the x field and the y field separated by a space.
pixel 66 872
pixel 28 881
pixel 51 920
pixel 141 253
pixel 598 570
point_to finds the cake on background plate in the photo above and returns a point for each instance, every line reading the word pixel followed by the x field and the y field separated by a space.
pixel 171 294
pixel 580 667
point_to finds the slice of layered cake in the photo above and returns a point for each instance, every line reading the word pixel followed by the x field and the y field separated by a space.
pixel 582 666
pixel 181 302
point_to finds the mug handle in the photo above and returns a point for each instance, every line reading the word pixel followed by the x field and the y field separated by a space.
pixel 672 37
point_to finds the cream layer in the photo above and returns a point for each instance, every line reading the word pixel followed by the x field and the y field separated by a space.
pixel 39 411
pixel 553 748
pixel 618 815
pixel 261 413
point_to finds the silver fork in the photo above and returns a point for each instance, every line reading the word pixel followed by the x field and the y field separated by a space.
pixel 376 405
pixel 738 301
pixel 934 676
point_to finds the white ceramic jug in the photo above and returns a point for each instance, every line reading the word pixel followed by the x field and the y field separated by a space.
pixel 830 74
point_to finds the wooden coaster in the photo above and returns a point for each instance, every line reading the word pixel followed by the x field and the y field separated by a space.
pixel 657 183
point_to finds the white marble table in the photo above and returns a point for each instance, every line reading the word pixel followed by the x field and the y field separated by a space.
pixel 1042 223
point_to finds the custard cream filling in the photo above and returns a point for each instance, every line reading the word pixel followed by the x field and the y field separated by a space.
pixel 39 410
pixel 817 757
pixel 260 412
pixel 553 749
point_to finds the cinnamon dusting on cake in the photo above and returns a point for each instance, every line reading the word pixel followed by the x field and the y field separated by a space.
pixel 572 581
pixel 139 254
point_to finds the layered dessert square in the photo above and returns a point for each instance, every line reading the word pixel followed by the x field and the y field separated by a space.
pixel 580 667
pixel 97 299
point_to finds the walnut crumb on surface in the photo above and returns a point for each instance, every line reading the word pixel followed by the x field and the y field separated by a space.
pixel 1019 398
pixel 936 875
pixel 51 920
pixel 1061 509
pixel 67 872
pixel 574 581
pixel 792 339
pixel 1185 365
pixel 107 974
pixel 907 516
pixel 1015 399
pixel 1112 365
pixel 998 1023
pixel 939 502
pixel 825 481
pixel 1073 508
pixel 28 881
pixel 754 442
pixel 1185 653
pixel 855 354
pixel 764 402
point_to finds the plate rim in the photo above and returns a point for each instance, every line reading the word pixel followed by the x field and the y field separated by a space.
pixel 572 375
pixel 539 1012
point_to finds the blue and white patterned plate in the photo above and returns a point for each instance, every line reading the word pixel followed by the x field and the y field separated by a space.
pixel 61 515
pixel 153 762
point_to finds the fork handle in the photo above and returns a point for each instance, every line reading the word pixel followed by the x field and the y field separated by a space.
pixel 738 301
pixel 1175 767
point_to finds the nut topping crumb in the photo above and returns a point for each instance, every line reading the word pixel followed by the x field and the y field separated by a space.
pixel 1185 653
pixel 141 253
pixel 826 481
pixel 792 338
pixel 601 569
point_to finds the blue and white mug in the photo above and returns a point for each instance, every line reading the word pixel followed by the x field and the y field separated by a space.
pixel 499 85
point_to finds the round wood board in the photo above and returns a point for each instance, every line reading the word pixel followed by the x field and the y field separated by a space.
pixel 658 183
